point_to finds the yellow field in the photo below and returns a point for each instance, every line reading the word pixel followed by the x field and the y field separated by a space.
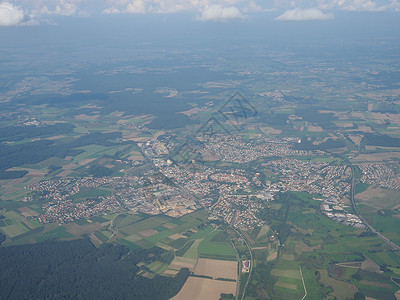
pixel 263 231
pixel 182 262
pixel 27 212
pixel 133 238
pixel 379 198
pixel 272 255
pixel 202 288
pixel 216 268
pixel 177 236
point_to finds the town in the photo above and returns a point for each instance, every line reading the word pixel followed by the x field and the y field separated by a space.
pixel 235 195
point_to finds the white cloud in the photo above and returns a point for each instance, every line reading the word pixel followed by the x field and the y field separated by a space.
pixel 149 6
pixel 60 7
pixel 254 7
pixel 135 7
pixel 11 15
pixel 355 5
pixel 216 10
pixel 220 14
pixel 304 15
pixel 111 10
pixel 65 8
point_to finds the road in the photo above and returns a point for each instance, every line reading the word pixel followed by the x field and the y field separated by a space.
pixel 238 271
pixel 111 228
pixel 251 260
pixel 353 204
pixel 304 285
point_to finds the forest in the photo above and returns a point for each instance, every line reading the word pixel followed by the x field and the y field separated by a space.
pixel 16 133
pixel 79 270
pixel 381 140
pixel 37 151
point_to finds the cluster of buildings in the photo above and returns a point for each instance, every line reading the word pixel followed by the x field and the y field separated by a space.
pixel 383 175
pixel 313 177
pixel 240 211
pixel 154 149
pixel 233 148
pixel 233 194
pixel 145 193
pixel 60 205
pixel 245 266
pixel 150 194
pixel 336 210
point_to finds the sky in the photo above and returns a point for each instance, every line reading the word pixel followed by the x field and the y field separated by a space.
pixel 35 12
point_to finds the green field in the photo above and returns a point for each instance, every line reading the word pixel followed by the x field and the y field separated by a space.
pixel 59 232
pixel 317 244
pixel 201 233
pixel 130 245
pixel 15 229
pixel 314 290
pixel 90 193
pixel 289 284
pixel 385 224
pixel 207 249
pixel 157 267
pixel 142 225
pixel 340 289
pixel 193 252
pixel 33 224
pixel 101 236
pixel 263 231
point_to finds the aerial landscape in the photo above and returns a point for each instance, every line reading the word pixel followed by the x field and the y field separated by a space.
pixel 200 149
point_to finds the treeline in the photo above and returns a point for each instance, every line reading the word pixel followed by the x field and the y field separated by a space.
pixel 262 281
pixel 97 138
pixel 17 133
pixel 277 120
pixel 34 152
pixel 99 171
pixel 29 153
pixel 78 270
pixel 171 121
pixel 381 140
pixel 311 114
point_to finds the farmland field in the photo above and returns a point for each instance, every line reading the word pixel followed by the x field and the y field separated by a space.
pixel 340 288
pixel 289 282
pixel 192 252
pixel 203 288
pixel 216 268
pixel 207 249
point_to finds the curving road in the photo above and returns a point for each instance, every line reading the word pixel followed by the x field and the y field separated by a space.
pixel 251 260
pixel 353 204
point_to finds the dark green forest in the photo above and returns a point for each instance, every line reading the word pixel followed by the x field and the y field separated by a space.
pixel 37 151
pixel 16 133
pixel 381 140
pixel 78 270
